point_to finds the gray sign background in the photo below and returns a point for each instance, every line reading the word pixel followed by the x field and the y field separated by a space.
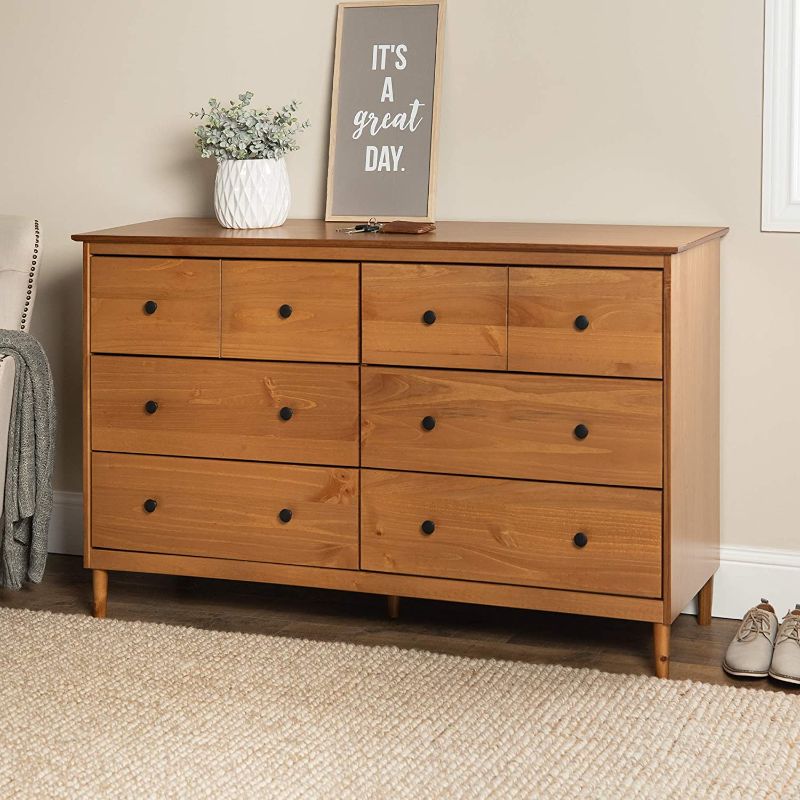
pixel 398 184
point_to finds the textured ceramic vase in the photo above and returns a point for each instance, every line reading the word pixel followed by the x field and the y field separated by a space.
pixel 252 193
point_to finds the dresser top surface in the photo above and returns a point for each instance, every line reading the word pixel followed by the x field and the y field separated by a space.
pixel 518 236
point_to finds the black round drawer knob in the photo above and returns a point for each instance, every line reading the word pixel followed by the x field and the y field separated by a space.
pixel 285 311
pixel 581 322
pixel 429 317
pixel 428 527
pixel 150 307
pixel 580 539
pixel 429 423
pixel 581 431
pixel 151 406
pixel 150 505
pixel 285 413
pixel 285 515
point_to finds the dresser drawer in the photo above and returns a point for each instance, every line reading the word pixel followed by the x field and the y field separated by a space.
pixel 225 509
pixel 516 426
pixel 434 315
pixel 585 321
pixel 585 538
pixel 290 310
pixel 226 409
pixel 155 306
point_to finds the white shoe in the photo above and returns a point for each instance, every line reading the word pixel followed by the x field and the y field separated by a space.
pixel 749 655
pixel 786 655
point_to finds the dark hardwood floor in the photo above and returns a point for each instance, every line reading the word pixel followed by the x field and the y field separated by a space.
pixel 460 629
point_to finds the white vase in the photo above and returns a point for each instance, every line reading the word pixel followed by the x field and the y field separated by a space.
pixel 252 193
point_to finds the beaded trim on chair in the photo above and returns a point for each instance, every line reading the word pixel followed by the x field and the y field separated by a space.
pixel 31 275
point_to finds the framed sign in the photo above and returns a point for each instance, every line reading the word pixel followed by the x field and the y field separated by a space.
pixel 384 110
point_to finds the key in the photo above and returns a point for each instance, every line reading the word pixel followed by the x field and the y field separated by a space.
pixel 363 227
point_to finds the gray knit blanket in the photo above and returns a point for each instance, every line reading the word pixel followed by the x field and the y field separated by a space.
pixel 29 470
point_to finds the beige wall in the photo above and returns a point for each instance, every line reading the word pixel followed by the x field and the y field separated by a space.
pixel 616 111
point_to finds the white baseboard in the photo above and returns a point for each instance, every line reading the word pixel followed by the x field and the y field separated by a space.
pixel 66 524
pixel 746 574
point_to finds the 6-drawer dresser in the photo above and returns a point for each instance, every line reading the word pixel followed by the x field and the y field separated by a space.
pixel 524 415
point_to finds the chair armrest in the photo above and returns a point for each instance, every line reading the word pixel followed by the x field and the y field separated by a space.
pixel 8 370
pixel 20 258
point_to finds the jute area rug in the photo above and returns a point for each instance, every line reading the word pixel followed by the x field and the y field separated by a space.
pixel 109 709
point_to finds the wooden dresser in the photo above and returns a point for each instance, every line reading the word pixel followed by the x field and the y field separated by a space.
pixel 522 415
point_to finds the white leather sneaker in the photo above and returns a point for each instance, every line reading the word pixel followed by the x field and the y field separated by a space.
pixel 750 653
pixel 786 655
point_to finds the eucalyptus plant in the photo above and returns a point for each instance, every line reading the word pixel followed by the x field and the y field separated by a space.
pixel 237 131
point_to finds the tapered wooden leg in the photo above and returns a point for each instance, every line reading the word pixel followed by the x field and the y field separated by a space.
pixel 100 592
pixel 393 605
pixel 661 648
pixel 704 598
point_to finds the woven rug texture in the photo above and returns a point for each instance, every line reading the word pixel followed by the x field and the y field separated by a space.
pixel 110 709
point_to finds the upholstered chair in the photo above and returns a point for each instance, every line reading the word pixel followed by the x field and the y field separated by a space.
pixel 20 253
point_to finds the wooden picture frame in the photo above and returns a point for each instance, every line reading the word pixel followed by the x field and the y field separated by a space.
pixel 380 196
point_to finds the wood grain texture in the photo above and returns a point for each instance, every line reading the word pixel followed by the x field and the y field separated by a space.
pixel 226 409
pixel 510 531
pixel 99 593
pixel 705 600
pixel 322 326
pixel 470 307
pixel 86 406
pixel 624 313
pixel 186 291
pixel 495 594
pixel 661 637
pixel 449 235
pixel 488 423
pixel 226 509
pixel 692 497
pixel 516 426
pixel 350 251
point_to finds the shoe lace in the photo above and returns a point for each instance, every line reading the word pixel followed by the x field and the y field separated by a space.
pixel 790 629
pixel 756 621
